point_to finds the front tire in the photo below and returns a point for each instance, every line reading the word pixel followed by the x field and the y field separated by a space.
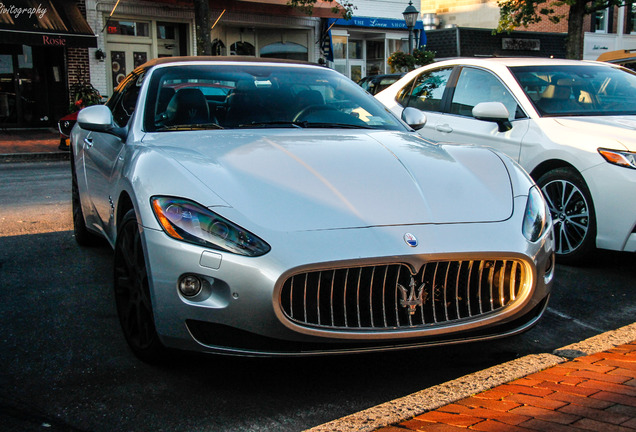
pixel 132 293
pixel 573 215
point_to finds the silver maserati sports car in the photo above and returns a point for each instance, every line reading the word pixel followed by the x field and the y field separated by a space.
pixel 276 208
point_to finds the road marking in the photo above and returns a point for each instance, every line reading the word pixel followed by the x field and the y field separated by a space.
pixel 574 320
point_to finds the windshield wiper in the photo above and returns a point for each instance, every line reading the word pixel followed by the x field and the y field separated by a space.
pixel 336 125
pixel 197 126
pixel 299 125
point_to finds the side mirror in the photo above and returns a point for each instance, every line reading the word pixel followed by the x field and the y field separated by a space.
pixel 493 112
pixel 98 118
pixel 414 118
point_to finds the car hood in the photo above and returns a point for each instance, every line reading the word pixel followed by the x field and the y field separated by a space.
pixel 313 180
pixel 619 128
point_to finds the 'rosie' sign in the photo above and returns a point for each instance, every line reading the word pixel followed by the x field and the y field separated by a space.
pixel 53 40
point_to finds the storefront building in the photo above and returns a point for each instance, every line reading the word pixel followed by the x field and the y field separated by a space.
pixel 362 45
pixel 131 33
pixel 134 32
pixel 606 30
pixel 41 53
pixel 268 28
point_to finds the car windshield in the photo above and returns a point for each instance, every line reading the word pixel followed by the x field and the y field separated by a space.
pixel 248 96
pixel 580 90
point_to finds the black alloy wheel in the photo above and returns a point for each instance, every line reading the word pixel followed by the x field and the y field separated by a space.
pixel 573 217
pixel 132 293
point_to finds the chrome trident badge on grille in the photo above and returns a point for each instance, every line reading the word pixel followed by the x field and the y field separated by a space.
pixel 414 299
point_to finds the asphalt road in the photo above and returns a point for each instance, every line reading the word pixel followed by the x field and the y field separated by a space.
pixel 64 365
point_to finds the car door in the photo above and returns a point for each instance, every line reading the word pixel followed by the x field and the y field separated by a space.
pixel 475 85
pixel 426 93
pixel 101 151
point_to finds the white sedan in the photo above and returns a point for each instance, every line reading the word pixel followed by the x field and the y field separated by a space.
pixel 570 124
pixel 276 208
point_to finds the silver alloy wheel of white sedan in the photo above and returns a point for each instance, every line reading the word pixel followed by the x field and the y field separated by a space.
pixel 572 213
pixel 275 208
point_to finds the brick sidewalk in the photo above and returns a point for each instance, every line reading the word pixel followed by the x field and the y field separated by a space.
pixel 29 141
pixel 595 392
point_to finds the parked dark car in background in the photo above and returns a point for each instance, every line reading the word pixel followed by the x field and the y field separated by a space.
pixel 376 83
pixel 65 124
pixel 625 58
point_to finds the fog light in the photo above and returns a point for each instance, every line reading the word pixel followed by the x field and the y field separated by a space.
pixel 189 285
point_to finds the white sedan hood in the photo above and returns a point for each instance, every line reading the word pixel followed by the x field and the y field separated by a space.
pixel 620 128
pixel 316 179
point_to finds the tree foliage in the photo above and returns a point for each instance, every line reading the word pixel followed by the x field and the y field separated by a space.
pixel 84 94
pixel 402 62
pixel 307 6
pixel 521 13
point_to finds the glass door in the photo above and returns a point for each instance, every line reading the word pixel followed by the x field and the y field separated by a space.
pixel 26 92
pixel 8 91
pixel 124 58
pixel 357 70
pixel 18 104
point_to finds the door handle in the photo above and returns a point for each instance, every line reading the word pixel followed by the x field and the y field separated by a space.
pixel 88 142
pixel 444 128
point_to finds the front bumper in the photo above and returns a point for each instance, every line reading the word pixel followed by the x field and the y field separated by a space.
pixel 613 188
pixel 239 310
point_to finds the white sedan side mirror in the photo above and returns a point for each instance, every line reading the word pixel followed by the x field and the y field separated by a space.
pixel 494 112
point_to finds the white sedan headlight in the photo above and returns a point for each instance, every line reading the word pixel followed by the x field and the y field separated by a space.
pixel 536 217
pixel 621 158
pixel 190 222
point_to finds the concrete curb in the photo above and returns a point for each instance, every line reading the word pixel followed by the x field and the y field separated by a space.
pixel 407 407
pixel 34 157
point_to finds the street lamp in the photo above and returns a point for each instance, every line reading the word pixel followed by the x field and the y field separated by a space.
pixel 410 16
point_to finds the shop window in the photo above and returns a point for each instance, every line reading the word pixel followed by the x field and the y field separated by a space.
pixel 118 66
pixel 8 112
pixel 139 58
pixel 166 31
pixel 375 57
pixel 242 49
pixel 339 47
pixel 356 49
pixel 601 21
pixel 218 47
pixel 128 28
pixel 288 50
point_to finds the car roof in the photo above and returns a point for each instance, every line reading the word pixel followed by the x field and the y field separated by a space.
pixel 234 59
pixel 618 56
pixel 515 61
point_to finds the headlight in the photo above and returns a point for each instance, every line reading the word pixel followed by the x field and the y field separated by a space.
pixel 188 221
pixel 537 217
pixel 620 158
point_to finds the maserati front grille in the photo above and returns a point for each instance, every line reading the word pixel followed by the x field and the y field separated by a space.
pixel 391 297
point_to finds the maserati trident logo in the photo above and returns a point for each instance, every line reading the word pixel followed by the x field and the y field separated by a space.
pixel 410 239
pixel 414 299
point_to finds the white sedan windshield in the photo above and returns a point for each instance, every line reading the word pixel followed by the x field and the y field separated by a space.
pixel 581 90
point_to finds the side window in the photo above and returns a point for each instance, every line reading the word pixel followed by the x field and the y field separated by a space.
pixel 426 92
pixel 124 103
pixel 475 86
